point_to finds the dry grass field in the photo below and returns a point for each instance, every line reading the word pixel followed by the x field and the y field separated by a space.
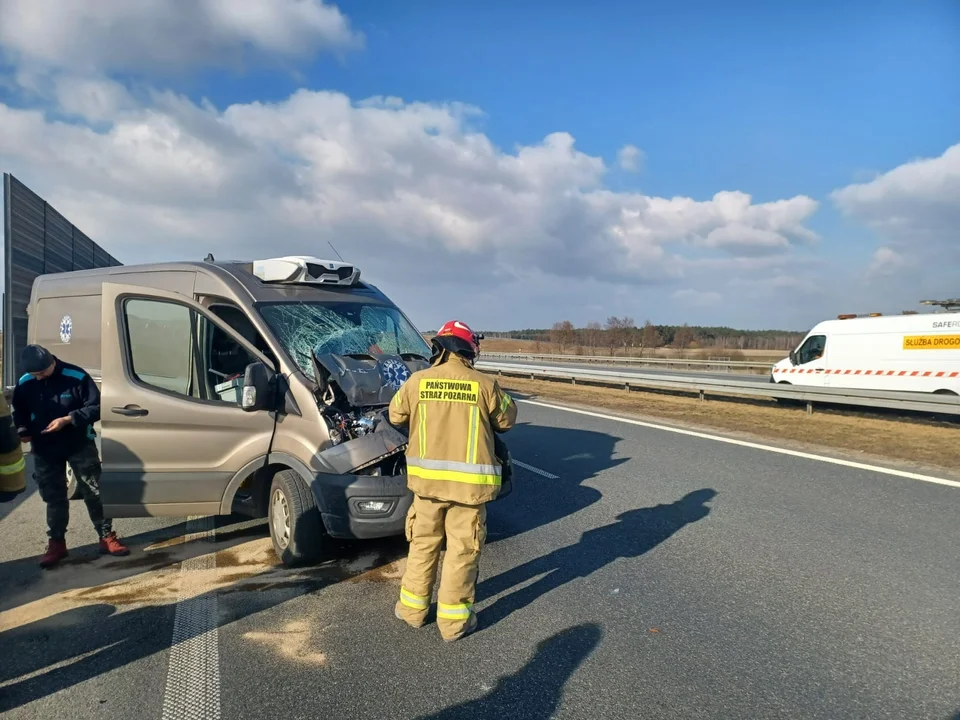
pixel 693 353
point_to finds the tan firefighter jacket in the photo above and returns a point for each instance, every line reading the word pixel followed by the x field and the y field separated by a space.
pixel 13 478
pixel 452 411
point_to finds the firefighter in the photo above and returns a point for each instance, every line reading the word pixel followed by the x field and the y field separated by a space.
pixel 13 476
pixel 452 411
pixel 55 405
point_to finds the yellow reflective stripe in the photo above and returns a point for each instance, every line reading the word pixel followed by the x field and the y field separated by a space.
pixel 13 468
pixel 423 429
pixel 417 602
pixel 454 612
pixel 451 475
pixel 505 402
pixel 472 437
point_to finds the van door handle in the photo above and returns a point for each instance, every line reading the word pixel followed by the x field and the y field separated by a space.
pixel 130 411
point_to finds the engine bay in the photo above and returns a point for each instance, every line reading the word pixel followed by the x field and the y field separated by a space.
pixel 353 394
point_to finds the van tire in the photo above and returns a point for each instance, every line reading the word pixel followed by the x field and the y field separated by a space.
pixel 73 487
pixel 296 528
pixel 944 392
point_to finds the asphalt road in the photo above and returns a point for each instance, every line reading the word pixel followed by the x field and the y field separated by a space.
pixel 655 575
pixel 637 369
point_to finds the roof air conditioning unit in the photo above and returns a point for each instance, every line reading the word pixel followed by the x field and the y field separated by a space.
pixel 305 269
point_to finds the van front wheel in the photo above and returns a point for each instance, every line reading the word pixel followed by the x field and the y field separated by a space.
pixel 295 525
pixel 73 489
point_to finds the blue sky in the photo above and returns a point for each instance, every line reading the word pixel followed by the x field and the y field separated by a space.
pixel 773 98
pixel 776 100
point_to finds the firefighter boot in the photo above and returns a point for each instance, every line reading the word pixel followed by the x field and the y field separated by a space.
pixel 471 626
pixel 466 531
pixel 56 551
pixel 110 545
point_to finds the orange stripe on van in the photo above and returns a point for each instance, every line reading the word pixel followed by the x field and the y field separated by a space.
pixel 876 373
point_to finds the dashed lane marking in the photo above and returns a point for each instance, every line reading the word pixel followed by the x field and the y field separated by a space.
pixel 193 675
pixel 538 471
pixel 756 446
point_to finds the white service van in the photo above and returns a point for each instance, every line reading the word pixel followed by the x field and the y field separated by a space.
pixel 912 352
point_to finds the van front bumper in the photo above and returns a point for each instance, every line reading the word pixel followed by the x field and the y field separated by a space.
pixel 362 506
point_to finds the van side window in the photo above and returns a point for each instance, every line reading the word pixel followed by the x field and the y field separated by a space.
pixel 175 349
pixel 812 348
pixel 238 321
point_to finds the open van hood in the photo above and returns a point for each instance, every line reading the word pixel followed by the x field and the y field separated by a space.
pixel 369 380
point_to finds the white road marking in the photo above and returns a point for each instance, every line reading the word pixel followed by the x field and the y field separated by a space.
pixel 538 471
pixel 755 446
pixel 193 676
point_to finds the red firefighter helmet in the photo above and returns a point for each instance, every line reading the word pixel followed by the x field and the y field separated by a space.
pixel 457 337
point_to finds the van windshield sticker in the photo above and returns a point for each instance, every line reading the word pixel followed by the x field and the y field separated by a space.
pixel 341 328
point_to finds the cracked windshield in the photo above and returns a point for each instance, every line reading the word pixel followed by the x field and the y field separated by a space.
pixel 341 328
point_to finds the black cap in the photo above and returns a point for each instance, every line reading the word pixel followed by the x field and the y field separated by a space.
pixel 35 358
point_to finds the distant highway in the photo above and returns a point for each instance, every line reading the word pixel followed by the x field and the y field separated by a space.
pixel 634 369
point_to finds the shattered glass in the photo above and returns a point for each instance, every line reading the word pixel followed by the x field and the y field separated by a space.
pixel 341 328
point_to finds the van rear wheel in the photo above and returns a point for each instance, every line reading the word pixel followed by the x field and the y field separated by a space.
pixel 296 528
pixel 73 488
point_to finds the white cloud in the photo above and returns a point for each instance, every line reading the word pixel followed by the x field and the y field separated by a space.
pixel 138 35
pixel 630 158
pixel 915 207
pixel 914 210
pixel 99 100
pixel 404 186
pixel 886 261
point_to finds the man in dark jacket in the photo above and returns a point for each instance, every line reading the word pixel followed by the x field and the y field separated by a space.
pixel 55 405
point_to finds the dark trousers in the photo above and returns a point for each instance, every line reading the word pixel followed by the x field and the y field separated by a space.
pixel 50 474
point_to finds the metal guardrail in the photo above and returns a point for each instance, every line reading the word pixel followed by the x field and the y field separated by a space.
pixel 704 387
pixel 613 360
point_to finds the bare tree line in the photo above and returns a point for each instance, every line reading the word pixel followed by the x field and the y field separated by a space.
pixel 621 335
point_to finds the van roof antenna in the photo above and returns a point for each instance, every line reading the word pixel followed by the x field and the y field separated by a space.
pixel 335 250
pixel 209 258
pixel 949 305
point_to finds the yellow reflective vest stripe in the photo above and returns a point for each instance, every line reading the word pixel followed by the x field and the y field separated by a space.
pixel 460 611
pixel 470 473
pixel 13 468
pixel 412 600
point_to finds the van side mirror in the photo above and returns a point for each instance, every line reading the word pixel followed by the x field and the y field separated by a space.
pixel 257 388
pixel 793 357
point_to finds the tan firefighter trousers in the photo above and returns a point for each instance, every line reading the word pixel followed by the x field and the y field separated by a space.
pixel 465 528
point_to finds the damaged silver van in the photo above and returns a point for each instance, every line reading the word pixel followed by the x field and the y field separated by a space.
pixel 253 387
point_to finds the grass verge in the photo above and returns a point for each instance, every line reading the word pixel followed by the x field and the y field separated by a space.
pixel 924 442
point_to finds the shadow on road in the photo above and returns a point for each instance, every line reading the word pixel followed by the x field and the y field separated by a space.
pixel 534 692
pixel 634 533
pixel 575 455
pixel 65 649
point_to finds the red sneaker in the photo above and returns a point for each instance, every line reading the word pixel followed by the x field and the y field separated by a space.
pixel 56 551
pixel 110 545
